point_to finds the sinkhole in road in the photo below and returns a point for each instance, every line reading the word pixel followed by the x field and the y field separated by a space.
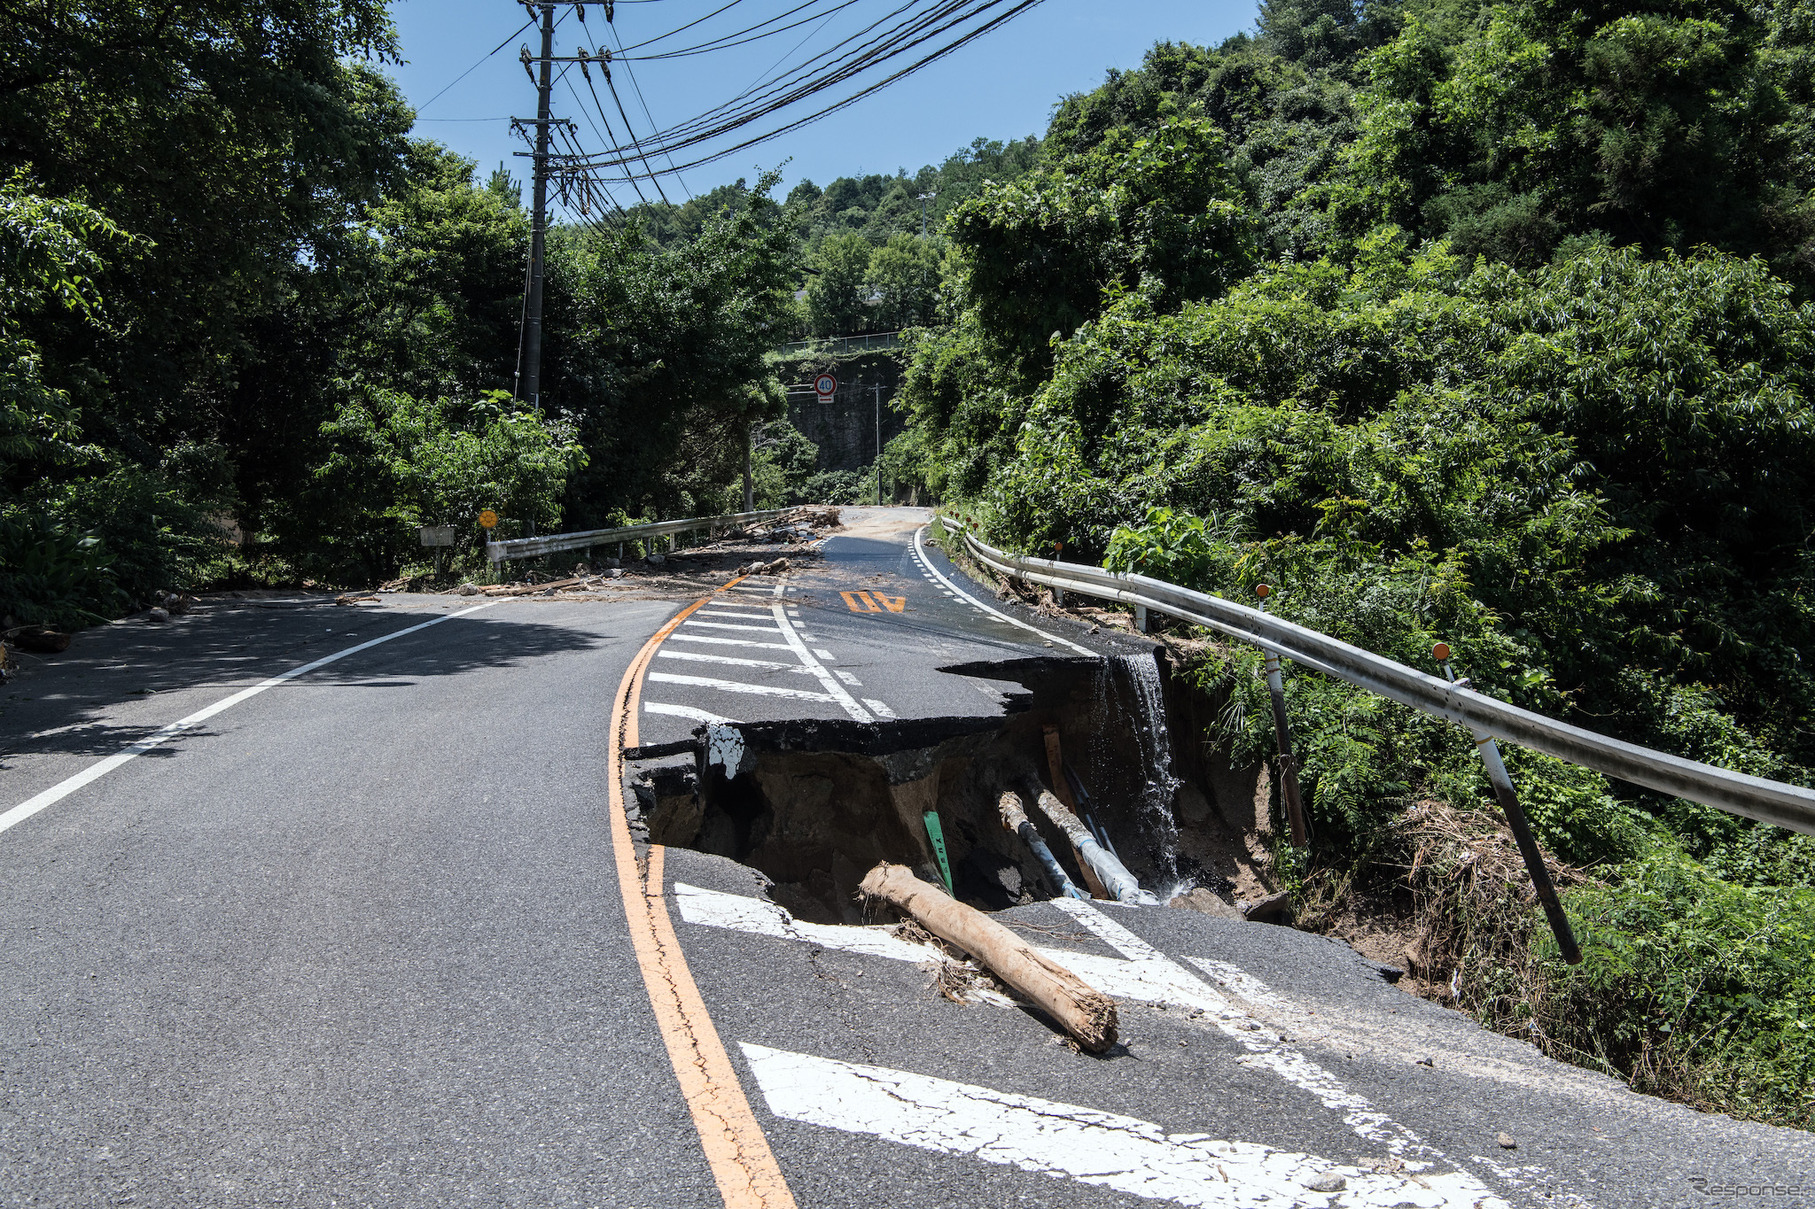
pixel 815 804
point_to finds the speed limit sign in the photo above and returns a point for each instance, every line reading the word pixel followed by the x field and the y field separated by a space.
pixel 825 386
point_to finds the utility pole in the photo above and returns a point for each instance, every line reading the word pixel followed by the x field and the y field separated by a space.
pixel 924 198
pixel 538 232
pixel 878 389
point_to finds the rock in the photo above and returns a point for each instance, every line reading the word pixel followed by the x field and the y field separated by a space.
pixel 157 614
pixel 753 568
pixel 654 560
pixel 612 562
pixel 469 588
pixel 1200 899
pixel 1329 1181
pixel 776 567
pixel 1274 909
pixel 1506 1142
pixel 614 573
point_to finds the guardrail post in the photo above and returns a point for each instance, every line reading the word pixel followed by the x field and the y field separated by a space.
pixel 1142 623
pixel 1289 794
pixel 1521 826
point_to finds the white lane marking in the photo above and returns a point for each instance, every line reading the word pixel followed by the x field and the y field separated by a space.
pixel 684 711
pixel 700 657
pixel 881 710
pixel 920 553
pixel 1106 1149
pixel 793 638
pixel 824 654
pixel 1242 983
pixel 1145 975
pixel 95 772
pixel 716 909
pixel 725 625
pixel 849 679
pixel 1268 1048
pixel 738 686
pixel 771 646
pixel 753 613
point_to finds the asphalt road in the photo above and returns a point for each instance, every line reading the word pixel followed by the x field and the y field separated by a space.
pixel 360 939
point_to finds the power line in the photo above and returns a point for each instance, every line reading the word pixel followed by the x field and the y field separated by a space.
pixel 613 88
pixel 913 32
pixel 475 67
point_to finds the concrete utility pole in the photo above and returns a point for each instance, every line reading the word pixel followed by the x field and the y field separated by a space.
pixel 924 198
pixel 878 389
pixel 538 232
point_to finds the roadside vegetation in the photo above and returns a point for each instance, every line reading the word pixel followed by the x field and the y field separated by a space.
pixel 1483 323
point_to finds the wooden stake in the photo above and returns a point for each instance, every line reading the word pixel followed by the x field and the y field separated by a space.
pixel 1088 1015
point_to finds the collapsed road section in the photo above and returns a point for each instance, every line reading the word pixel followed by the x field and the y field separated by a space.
pixel 1075 790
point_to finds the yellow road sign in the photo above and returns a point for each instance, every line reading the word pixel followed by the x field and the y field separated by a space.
pixel 488 519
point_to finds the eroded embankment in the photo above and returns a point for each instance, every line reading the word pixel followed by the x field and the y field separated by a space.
pixel 815 804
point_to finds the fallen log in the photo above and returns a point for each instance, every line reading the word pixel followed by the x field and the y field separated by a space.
pixel 1088 1015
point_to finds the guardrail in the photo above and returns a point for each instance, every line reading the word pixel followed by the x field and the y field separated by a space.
pixel 1785 805
pixel 555 543
pixel 833 345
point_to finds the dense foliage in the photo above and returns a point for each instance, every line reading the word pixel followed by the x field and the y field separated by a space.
pixel 1472 322
pixel 251 329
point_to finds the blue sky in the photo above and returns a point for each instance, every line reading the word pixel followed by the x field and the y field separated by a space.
pixel 1001 86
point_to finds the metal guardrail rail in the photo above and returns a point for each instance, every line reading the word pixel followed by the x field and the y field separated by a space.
pixel 1785 805
pixel 835 345
pixel 555 543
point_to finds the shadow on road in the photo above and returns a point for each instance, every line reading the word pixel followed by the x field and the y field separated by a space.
pixel 117 685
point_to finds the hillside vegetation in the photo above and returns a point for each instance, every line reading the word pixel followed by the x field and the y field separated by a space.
pixel 1476 322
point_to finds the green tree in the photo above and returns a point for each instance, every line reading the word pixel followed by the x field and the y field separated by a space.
pixel 837 297
pixel 903 277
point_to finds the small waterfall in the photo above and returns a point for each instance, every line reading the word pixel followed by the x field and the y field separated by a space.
pixel 1129 697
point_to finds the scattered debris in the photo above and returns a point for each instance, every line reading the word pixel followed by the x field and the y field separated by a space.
pixel 1088 1015
pixel 1274 909
pixel 158 614
pixel 1506 1142
pixel 41 641
pixel 351 598
pixel 1200 899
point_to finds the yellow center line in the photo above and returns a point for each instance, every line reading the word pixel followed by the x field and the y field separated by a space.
pixel 736 1150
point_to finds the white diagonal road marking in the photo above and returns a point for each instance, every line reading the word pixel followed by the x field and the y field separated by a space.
pixel 738 686
pixel 684 711
pixel 1106 1149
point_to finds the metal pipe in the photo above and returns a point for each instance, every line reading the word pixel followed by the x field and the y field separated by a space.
pixel 1014 818
pixel 1117 881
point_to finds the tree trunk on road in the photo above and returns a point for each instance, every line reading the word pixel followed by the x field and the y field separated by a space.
pixel 1088 1015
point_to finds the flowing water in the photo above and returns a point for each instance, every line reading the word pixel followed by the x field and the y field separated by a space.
pixel 1129 697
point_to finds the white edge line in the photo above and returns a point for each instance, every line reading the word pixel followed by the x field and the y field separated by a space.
pixel 920 553
pixel 95 772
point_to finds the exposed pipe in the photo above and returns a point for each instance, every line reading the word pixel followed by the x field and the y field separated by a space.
pixel 1014 818
pixel 1117 881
